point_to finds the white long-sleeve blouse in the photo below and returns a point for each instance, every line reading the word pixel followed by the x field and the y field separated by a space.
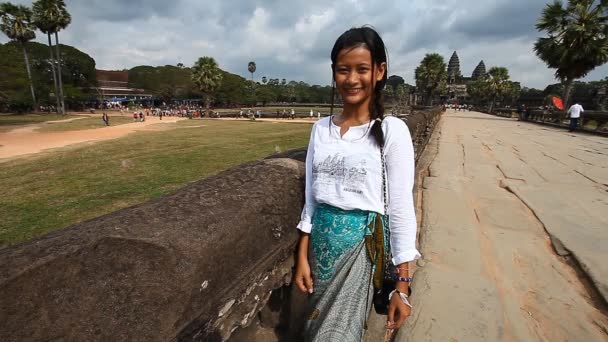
pixel 346 172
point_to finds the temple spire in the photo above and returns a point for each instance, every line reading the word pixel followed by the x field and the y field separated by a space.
pixel 454 68
pixel 479 71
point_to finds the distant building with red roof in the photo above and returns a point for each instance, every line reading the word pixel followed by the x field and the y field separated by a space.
pixel 114 86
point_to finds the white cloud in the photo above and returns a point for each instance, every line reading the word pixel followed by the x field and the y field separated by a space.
pixel 293 39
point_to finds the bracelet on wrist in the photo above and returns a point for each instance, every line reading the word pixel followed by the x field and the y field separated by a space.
pixel 403 279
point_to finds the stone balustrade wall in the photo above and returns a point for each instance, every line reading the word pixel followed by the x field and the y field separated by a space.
pixel 194 265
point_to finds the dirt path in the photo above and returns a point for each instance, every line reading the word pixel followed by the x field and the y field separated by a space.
pixel 33 127
pixel 26 140
pixel 490 271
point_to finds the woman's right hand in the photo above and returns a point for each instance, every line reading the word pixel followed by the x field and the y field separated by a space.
pixel 303 278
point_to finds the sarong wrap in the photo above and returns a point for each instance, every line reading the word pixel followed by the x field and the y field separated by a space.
pixel 343 244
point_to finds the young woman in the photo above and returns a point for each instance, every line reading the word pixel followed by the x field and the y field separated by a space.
pixel 345 196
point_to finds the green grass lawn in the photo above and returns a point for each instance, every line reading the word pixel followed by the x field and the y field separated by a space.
pixel 9 122
pixel 84 123
pixel 53 190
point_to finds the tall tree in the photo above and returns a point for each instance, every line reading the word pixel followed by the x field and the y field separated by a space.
pixel 389 94
pixel 577 41
pixel 265 94
pixel 402 94
pixel 233 89
pixel 511 93
pixel 16 23
pixel 497 83
pixel 478 89
pixel 166 92
pixel 431 76
pixel 62 21
pixel 45 13
pixel 394 81
pixel 207 75
pixel 251 67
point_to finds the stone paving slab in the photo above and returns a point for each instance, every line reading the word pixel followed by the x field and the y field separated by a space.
pixel 498 190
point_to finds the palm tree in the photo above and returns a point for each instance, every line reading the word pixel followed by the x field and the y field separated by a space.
pixel 498 84
pixel 251 67
pixel 63 20
pixel 431 75
pixel 477 89
pixel 207 75
pixel 389 94
pixel 402 95
pixel 39 16
pixel 577 42
pixel 511 93
pixel 51 16
pixel 16 23
pixel 264 79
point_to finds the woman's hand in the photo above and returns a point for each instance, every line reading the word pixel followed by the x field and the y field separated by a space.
pixel 303 278
pixel 397 312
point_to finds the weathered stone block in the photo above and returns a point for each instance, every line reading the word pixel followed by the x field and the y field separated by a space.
pixel 192 265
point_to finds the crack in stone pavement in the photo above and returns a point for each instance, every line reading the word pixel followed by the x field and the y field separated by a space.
pixel 594 152
pixel 557 160
pixel 589 178
pixel 583 161
pixel 507 177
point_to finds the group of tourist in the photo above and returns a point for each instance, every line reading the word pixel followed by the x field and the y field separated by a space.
pixel 279 114
pixel 185 112
pixel 286 115
pixel 312 114
pixel 139 117
pixel 458 107
pixel 197 111
pixel 250 114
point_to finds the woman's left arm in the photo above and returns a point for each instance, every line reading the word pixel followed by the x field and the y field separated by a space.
pixel 400 169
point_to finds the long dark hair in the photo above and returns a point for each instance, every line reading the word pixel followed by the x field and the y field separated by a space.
pixel 370 39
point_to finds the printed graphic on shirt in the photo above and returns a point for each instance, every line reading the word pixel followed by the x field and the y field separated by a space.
pixel 332 170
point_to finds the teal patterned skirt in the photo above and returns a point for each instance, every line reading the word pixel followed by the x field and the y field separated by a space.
pixel 342 275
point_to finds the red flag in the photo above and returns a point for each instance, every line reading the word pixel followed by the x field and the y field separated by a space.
pixel 557 102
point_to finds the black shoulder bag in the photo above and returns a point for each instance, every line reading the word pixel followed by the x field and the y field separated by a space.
pixel 378 248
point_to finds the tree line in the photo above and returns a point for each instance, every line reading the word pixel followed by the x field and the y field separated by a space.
pixel 19 23
pixel 77 70
pixel 576 43
pixel 206 80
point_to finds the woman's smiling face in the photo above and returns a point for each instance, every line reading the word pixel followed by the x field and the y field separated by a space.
pixel 353 75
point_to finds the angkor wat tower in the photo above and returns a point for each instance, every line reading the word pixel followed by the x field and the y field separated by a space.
pixel 454 74
pixel 480 70
pixel 457 84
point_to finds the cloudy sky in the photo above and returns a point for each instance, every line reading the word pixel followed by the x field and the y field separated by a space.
pixel 293 39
